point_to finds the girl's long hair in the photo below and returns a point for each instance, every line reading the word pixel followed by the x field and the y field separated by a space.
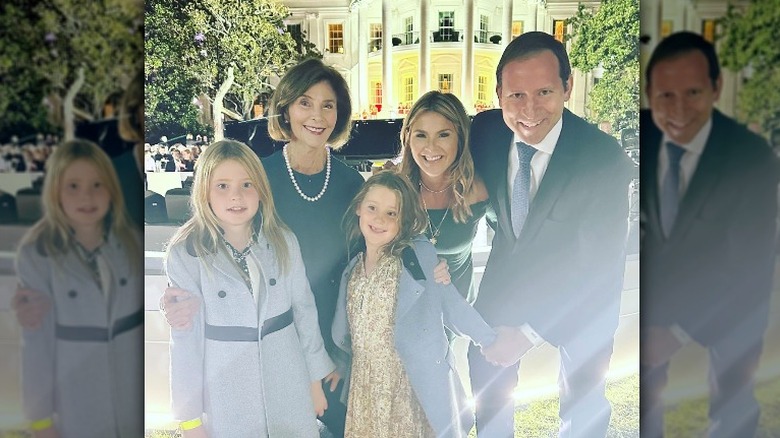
pixel 52 231
pixel 412 218
pixel 461 171
pixel 204 227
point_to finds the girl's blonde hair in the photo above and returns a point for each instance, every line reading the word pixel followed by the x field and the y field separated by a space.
pixel 461 171
pixel 52 231
pixel 294 84
pixel 204 227
pixel 412 218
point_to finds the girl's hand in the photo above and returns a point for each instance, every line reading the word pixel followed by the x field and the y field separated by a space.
pixel 318 397
pixel 179 308
pixel 30 307
pixel 441 273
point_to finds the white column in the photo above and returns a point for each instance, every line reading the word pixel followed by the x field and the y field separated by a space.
pixel 424 77
pixel 467 76
pixel 363 102
pixel 313 30
pixel 533 25
pixel 506 25
pixel 388 101
pixel 649 25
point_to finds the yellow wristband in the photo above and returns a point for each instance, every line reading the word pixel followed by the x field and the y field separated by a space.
pixel 41 424
pixel 190 424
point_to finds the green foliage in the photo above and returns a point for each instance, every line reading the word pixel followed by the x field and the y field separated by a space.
pixel 21 94
pixel 191 44
pixel 45 42
pixel 749 37
pixel 609 36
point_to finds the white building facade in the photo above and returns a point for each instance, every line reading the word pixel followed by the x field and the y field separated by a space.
pixel 448 45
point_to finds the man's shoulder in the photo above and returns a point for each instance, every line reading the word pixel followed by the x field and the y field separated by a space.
pixel 488 120
pixel 588 138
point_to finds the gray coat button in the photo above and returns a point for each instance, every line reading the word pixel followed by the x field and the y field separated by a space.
pixel 222 294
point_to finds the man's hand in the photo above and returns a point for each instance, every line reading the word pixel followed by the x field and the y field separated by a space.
pixel 334 379
pixel 658 345
pixel 179 307
pixel 510 345
pixel 318 398
pixel 30 307
pixel 441 273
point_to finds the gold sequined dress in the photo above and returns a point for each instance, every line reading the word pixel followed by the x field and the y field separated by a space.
pixel 381 401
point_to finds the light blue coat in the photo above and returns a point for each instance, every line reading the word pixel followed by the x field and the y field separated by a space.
pixel 423 308
pixel 245 387
pixel 85 362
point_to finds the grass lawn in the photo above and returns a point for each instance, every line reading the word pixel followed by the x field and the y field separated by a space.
pixel 689 418
pixel 540 418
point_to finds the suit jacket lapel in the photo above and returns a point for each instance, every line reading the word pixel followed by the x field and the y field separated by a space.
pixel 559 170
pixel 649 182
pixel 503 141
pixel 705 177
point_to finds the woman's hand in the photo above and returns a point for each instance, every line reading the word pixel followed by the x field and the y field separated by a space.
pixel 318 398
pixel 30 307
pixel 441 273
pixel 179 307
pixel 334 379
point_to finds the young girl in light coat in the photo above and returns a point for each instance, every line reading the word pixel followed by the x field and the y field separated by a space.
pixel 252 363
pixel 82 364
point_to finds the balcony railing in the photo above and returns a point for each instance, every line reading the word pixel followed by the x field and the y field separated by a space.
pixel 441 35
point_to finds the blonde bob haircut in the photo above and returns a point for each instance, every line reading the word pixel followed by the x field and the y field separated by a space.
pixel 52 231
pixel 412 218
pixel 204 227
pixel 461 171
pixel 294 84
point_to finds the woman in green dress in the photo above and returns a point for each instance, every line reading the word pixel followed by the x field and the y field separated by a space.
pixel 437 160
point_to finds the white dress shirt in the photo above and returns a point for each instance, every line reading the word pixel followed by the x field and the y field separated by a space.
pixel 539 162
pixel 688 164
pixel 689 160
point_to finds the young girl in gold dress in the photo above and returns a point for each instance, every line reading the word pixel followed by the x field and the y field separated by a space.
pixel 390 320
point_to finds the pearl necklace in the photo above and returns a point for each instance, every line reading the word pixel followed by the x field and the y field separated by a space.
pixel 295 183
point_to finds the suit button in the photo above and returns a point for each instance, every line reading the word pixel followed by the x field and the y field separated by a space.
pixel 72 293
pixel 122 281
pixel 272 282
pixel 222 294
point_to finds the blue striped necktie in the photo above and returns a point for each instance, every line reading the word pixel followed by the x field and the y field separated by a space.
pixel 522 186
pixel 670 189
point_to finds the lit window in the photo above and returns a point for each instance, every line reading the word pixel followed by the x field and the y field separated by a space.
pixel 375 37
pixel 336 38
pixel 445 82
